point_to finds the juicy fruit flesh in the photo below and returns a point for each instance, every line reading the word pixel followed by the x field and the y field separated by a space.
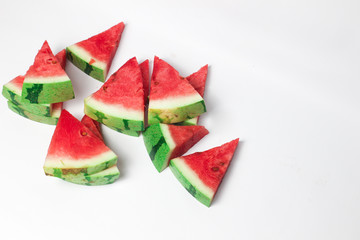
pixel 103 45
pixel 124 87
pixel 166 82
pixel 72 139
pixel 213 163
pixel 45 64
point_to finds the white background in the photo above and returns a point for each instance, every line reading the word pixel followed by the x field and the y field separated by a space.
pixel 283 77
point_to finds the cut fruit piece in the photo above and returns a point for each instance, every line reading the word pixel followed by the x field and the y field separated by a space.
pixel 12 92
pixel 46 81
pixel 93 125
pixel 119 103
pixel 51 120
pixel 198 81
pixel 145 71
pixel 61 57
pixel 201 173
pixel 94 55
pixel 75 149
pixel 106 176
pixel 164 142
pixel 172 99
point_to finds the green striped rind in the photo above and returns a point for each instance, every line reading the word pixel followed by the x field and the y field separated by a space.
pixel 106 176
pixel 175 115
pixel 19 109
pixel 189 122
pixel 127 132
pixel 84 66
pixel 112 121
pixel 90 169
pixel 38 109
pixel 51 92
pixel 156 146
pixel 195 192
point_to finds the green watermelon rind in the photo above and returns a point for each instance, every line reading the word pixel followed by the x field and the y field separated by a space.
pixel 177 114
pixel 190 187
pixel 104 177
pixel 12 95
pixel 20 110
pixel 157 147
pixel 86 169
pixel 112 121
pixel 127 132
pixel 83 65
pixel 189 122
pixel 51 92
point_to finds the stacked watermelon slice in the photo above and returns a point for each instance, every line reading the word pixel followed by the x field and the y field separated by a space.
pixel 39 94
pixel 166 110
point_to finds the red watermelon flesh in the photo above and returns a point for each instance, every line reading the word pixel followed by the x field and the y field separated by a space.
pixel 166 82
pixel 124 87
pixel 104 45
pixel 212 164
pixel 185 137
pixel 45 64
pixel 93 125
pixel 144 67
pixel 201 173
pixel 61 57
pixel 74 146
pixel 198 79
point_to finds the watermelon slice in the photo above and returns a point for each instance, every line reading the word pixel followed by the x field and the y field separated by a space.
pixel 127 132
pixel 198 81
pixel 164 142
pixel 172 99
pixel 51 120
pixel 94 55
pixel 119 103
pixel 46 81
pixel 201 173
pixel 12 92
pixel 75 149
pixel 106 176
pixel 93 125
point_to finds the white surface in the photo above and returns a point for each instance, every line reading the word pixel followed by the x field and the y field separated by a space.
pixel 284 77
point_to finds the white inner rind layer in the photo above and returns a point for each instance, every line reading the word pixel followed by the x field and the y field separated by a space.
pixel 169 141
pixel 115 110
pixel 108 171
pixel 192 177
pixel 174 102
pixel 53 79
pixel 66 162
pixel 167 136
pixel 86 56
pixel 13 87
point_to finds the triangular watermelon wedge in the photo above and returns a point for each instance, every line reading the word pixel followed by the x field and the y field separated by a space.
pixel 172 99
pixel 198 81
pixel 164 142
pixel 119 103
pixel 93 125
pixel 75 149
pixel 94 55
pixel 43 113
pixel 201 173
pixel 106 176
pixel 46 81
